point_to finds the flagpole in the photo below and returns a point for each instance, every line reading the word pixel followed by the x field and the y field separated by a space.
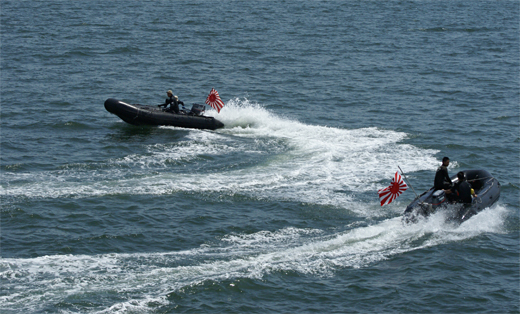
pixel 404 175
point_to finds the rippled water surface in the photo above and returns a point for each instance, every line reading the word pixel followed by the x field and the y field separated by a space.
pixel 278 211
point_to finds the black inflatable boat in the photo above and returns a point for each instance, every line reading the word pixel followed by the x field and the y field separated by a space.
pixel 485 185
pixel 153 115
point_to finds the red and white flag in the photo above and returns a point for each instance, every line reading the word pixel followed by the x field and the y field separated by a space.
pixel 214 100
pixel 396 188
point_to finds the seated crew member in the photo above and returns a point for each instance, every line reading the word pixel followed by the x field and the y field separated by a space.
pixel 173 101
pixel 442 179
pixel 461 192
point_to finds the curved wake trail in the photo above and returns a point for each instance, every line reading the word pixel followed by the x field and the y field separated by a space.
pixel 136 280
pixel 259 154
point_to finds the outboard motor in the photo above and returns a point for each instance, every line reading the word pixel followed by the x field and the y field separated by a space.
pixel 197 110
pixel 438 198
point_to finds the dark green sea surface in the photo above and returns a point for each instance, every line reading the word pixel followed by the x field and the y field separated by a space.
pixel 277 212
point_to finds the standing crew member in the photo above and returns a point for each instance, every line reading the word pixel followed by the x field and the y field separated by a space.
pixel 442 179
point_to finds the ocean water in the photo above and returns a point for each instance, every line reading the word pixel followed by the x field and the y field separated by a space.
pixel 277 212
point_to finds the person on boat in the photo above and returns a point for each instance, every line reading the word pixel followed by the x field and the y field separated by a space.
pixel 461 192
pixel 173 101
pixel 442 179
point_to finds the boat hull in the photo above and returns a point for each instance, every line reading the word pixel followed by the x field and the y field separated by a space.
pixel 485 185
pixel 152 115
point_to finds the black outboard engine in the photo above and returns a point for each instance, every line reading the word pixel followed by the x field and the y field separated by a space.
pixel 423 208
pixel 197 110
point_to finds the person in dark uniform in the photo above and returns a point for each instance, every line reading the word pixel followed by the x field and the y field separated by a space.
pixel 442 179
pixel 461 192
pixel 173 101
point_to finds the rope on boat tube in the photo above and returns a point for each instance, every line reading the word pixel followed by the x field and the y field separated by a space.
pixel 480 178
pixel 137 114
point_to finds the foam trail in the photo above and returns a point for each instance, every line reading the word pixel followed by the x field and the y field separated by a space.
pixel 286 160
pixel 137 280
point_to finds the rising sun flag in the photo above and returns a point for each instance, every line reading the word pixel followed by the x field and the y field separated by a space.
pixel 396 188
pixel 214 100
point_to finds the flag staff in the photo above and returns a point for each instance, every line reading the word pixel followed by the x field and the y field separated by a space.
pixel 404 175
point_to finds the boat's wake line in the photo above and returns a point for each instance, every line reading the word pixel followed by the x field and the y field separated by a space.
pixel 272 158
pixel 136 280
